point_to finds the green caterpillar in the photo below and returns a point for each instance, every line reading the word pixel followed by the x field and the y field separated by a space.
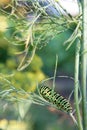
pixel 56 99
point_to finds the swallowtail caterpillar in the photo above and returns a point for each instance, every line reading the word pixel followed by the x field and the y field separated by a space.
pixel 57 100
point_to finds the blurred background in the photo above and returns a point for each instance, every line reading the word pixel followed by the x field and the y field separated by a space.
pixel 18 115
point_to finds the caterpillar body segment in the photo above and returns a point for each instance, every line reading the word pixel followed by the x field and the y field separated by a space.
pixel 56 99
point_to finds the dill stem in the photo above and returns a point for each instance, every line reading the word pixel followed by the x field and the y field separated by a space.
pixel 55 71
pixel 76 89
pixel 83 62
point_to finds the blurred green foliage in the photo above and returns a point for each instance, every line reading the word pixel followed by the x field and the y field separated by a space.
pixel 12 53
pixel 9 76
pixel 29 77
pixel 46 118
pixel 9 62
pixel 65 58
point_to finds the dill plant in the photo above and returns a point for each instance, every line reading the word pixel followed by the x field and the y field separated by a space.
pixel 32 27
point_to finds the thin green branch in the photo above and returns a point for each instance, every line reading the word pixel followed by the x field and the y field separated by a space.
pixel 84 61
pixel 77 86
pixel 55 72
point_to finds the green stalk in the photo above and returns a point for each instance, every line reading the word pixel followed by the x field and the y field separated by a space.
pixel 55 72
pixel 77 86
pixel 84 60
